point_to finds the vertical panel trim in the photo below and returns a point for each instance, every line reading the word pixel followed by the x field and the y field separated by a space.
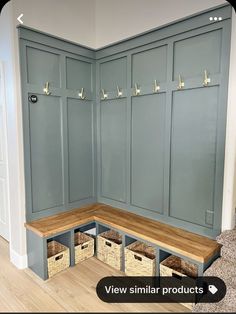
pixel 167 150
pixel 98 128
pixel 64 131
pixel 129 114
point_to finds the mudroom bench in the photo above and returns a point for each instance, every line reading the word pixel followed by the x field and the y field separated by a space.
pixel 166 239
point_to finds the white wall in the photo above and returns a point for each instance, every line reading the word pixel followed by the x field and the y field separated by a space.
pixel 14 136
pixel 94 23
pixel 229 195
pixel 73 20
pixel 119 19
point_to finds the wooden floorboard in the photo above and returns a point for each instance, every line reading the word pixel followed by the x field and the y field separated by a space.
pixel 73 290
pixel 189 244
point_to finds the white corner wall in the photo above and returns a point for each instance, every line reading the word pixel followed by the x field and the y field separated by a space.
pixel 119 19
pixel 73 20
pixel 93 23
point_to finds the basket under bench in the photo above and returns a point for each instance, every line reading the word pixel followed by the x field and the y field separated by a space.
pixel 166 240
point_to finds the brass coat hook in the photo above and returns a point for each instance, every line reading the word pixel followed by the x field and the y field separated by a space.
pixel 137 90
pixel 207 79
pixel 46 89
pixel 181 83
pixel 81 94
pixel 104 94
pixel 119 91
pixel 156 87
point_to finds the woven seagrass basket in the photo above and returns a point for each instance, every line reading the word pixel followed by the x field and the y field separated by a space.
pixel 109 248
pixel 140 260
pixel 84 247
pixel 174 265
pixel 58 257
pixel 177 265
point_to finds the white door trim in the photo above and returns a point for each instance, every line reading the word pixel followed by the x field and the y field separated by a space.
pixel 4 173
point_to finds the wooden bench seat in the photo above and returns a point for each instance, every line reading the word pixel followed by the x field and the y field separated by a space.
pixel 191 245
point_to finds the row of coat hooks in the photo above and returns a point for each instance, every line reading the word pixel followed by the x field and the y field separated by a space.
pixel 136 90
pixel 105 94
pixel 156 86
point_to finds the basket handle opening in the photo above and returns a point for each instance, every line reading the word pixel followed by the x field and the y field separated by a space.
pixel 84 246
pixel 139 258
pixel 108 243
pixel 59 257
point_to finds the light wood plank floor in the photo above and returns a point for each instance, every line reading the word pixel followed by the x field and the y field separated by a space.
pixel 73 290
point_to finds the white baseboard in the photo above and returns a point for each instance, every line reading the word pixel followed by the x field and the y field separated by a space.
pixel 20 261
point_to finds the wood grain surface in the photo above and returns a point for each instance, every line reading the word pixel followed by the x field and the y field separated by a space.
pixel 189 244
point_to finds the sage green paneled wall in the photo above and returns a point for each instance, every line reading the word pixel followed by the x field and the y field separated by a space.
pixel 59 129
pixel 46 151
pixel 147 151
pixel 173 151
pixel 113 133
pixel 148 136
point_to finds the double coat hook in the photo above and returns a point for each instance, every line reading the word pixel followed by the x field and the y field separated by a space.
pixel 119 91
pixel 104 94
pixel 181 83
pixel 137 90
pixel 156 87
pixel 207 79
pixel 81 94
pixel 46 89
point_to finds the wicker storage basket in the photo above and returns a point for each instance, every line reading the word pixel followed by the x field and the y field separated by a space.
pixel 84 247
pixel 140 260
pixel 174 265
pixel 58 257
pixel 178 266
pixel 109 248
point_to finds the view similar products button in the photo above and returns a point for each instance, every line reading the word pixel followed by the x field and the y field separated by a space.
pixel 161 289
